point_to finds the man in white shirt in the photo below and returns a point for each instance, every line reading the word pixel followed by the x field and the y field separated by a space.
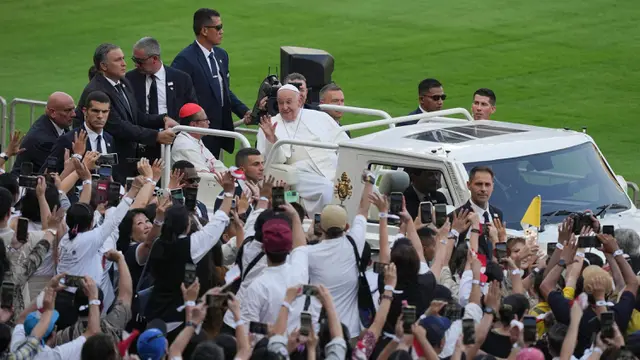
pixel 316 168
pixel 263 298
pixel 332 262
pixel 189 146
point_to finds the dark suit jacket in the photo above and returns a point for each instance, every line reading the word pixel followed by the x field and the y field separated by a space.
pixel 38 142
pixel 412 201
pixel 192 61
pixel 179 91
pixel 414 112
pixel 66 142
pixel 484 245
pixel 128 128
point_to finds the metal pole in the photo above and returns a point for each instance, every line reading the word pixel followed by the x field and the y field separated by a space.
pixel 402 119
pixel 358 111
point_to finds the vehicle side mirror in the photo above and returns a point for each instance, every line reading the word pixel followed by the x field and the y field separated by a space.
pixel 622 182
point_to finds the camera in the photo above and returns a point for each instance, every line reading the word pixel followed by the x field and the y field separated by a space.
pixel 269 89
pixel 580 220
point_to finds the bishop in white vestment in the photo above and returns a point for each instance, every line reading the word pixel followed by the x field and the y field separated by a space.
pixel 316 167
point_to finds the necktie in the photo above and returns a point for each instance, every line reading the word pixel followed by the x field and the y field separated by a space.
pixel 487 241
pixel 99 144
pixel 153 96
pixel 123 96
pixel 216 76
pixel 486 217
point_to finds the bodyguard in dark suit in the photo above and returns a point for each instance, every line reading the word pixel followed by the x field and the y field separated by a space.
pixel 158 89
pixel 44 133
pixel 127 122
pixel 480 185
pixel 208 66
pixel 96 113
pixel 424 187
pixel 431 97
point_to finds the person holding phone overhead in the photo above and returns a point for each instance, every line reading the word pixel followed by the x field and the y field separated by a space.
pixel 480 185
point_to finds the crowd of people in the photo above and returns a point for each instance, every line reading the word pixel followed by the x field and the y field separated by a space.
pixel 100 262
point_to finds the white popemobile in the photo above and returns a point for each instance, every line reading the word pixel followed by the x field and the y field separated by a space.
pixel 564 167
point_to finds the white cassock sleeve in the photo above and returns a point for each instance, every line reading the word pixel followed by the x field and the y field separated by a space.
pixel 189 151
pixel 333 134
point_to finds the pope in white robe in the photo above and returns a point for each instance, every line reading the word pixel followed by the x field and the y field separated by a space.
pixel 189 146
pixel 316 167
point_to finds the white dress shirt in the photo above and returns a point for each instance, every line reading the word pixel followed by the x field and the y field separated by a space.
pixel 186 147
pixel 161 84
pixel 93 140
pixel 333 264
pixel 58 128
pixel 204 239
pixel 480 211
pixel 81 256
pixel 214 72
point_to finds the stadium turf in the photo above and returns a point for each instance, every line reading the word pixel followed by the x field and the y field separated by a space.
pixel 553 63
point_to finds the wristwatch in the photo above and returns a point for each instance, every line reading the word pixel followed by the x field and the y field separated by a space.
pixel 4 156
pixel 562 263
pixel 489 310
pixel 190 323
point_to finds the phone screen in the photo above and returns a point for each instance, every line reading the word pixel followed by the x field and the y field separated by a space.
pixel 305 323
pixel 309 290
pixel 551 247
pixel 426 212
pixel 317 230
pixel 23 230
pixel 26 169
pixel 530 332
pixel 588 242
pixel 189 274
pixel 501 250
pixel 441 214
pixel 52 164
pixel 177 197
pixel 129 183
pixel 395 203
pixel 217 300
pixel 292 197
pixel 608 230
pixel 606 324
pixel 101 195
pixel 8 290
pixel 190 198
pixel 277 197
pixel 113 194
pixel 108 159
pixel 73 281
pixel 408 317
pixel 258 328
pixel 468 331
pixel 378 267
pixel 105 172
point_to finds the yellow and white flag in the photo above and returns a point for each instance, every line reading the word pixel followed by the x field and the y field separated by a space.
pixel 532 215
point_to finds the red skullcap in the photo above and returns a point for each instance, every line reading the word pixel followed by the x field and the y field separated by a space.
pixel 189 109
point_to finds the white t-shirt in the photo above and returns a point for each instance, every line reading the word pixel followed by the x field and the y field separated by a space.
pixel 332 263
pixel 69 351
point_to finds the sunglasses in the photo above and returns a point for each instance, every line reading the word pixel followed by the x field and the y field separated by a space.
pixel 437 97
pixel 140 61
pixel 217 27
pixel 192 181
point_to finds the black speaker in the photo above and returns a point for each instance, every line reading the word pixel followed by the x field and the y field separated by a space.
pixel 316 65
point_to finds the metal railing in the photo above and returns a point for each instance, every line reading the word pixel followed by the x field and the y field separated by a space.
pixel 403 119
pixel 166 155
pixel 279 143
pixel 12 117
pixel 357 111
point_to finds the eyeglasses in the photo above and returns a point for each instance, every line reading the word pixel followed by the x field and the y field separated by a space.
pixel 192 181
pixel 217 27
pixel 140 61
pixel 437 97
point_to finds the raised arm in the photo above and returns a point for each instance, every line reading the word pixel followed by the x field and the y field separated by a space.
pixel 382 203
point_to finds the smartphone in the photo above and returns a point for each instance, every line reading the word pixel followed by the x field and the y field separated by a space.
pixel 468 331
pixel 29 182
pixel 22 234
pixel 378 267
pixel 441 214
pixel 277 197
pixel 309 290
pixel 305 323
pixel 107 159
pixel 6 298
pixel 73 281
pixel 129 183
pixel 426 212
pixel 292 196
pixel 177 197
pixel 551 247
pixel 26 169
pixel 101 193
pixel 233 204
pixel 258 328
pixel 588 242
pixel 317 229
pixel 51 164
pixel 113 194
pixel 95 177
pixel 501 250
pixel 453 312
pixel 218 300
pixel 530 332
pixel 606 324
pixel 608 230
pixel 395 203
pixel 408 317
pixel 105 172
pixel 190 197
pixel 189 274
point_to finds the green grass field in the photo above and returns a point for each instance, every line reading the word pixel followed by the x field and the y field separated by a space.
pixel 564 63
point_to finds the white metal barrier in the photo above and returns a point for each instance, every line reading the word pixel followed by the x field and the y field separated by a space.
pixel 279 143
pixel 12 117
pixel 166 155
pixel 402 119
pixel 358 111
